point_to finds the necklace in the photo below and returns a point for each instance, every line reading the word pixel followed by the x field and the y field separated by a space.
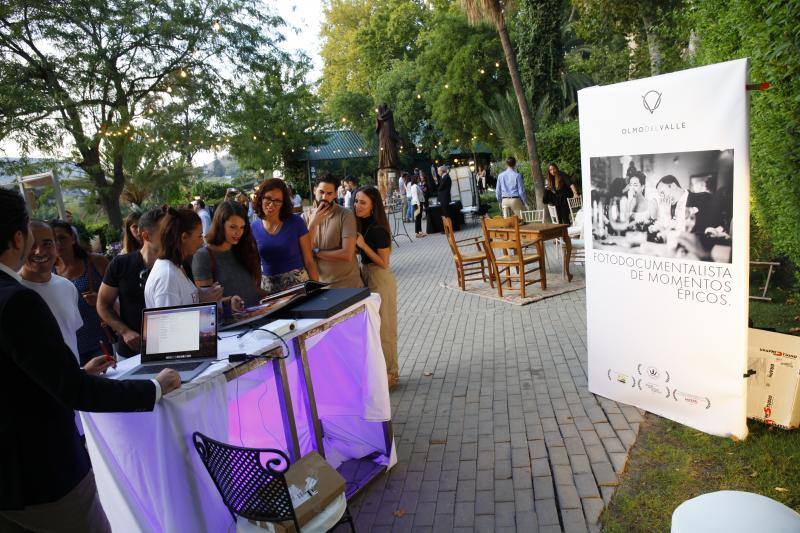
pixel 272 230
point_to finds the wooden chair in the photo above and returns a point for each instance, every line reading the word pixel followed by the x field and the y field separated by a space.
pixel 536 216
pixel 468 262
pixel 502 235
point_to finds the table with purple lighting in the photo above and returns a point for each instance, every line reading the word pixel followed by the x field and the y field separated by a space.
pixel 330 395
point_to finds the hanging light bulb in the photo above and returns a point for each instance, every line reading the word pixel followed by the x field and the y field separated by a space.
pixel 216 26
pixel 183 74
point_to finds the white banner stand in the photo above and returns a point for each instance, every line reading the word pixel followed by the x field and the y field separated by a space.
pixel 667 244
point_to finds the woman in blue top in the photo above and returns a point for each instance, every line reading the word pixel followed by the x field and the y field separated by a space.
pixel 282 239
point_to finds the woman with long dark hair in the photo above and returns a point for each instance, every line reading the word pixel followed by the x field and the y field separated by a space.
pixel 559 187
pixel 374 243
pixel 230 257
pixel 167 284
pixel 86 272
pixel 282 239
pixel 132 240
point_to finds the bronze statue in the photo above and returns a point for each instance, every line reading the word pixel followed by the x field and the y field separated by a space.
pixel 388 140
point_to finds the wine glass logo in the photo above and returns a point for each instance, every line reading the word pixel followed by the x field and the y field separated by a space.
pixel 651 100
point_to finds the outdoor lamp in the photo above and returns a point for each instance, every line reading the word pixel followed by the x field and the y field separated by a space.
pixel 471 166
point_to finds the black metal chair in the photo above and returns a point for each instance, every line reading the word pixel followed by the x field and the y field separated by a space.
pixel 248 488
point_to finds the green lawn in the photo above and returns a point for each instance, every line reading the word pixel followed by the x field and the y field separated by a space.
pixel 671 463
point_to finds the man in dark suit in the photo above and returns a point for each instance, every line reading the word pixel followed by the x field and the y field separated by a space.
pixel 444 188
pixel 46 482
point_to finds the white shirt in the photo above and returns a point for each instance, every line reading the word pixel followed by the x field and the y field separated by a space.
pixel 205 220
pixel 297 201
pixel 409 187
pixel 167 285
pixel 61 297
pixel 416 195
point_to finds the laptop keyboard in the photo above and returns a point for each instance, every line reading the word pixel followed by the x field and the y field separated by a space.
pixel 178 367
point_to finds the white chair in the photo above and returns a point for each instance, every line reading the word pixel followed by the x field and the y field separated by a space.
pixel 733 511
pixel 574 205
pixel 536 216
pixel 551 209
pixel 575 233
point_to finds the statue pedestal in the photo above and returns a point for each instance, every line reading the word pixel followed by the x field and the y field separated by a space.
pixel 387 178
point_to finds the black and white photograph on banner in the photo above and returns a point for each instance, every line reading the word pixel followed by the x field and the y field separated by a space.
pixel 674 205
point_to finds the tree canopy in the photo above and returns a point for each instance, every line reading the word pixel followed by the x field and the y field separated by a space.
pixel 86 75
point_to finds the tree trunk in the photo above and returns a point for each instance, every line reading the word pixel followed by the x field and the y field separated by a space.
pixel 525 112
pixel 108 193
pixel 653 47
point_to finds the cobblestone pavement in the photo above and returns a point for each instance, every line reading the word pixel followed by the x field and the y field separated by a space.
pixel 494 425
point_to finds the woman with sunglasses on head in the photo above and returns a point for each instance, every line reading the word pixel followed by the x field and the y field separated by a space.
pixel 124 281
pixel 281 238
pixel 167 284
pixel 86 272
pixel 374 243
pixel 230 257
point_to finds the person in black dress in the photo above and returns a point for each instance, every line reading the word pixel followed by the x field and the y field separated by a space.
pixel 374 244
pixel 559 187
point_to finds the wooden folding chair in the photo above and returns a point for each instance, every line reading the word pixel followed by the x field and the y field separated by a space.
pixel 506 253
pixel 469 263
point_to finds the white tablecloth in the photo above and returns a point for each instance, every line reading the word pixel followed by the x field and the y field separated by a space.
pixel 148 474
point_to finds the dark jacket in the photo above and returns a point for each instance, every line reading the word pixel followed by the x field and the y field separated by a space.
pixel 444 190
pixel 41 455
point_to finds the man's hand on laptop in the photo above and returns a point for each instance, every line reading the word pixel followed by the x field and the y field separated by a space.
pixel 169 380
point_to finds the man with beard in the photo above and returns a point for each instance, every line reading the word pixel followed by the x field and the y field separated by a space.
pixel 333 234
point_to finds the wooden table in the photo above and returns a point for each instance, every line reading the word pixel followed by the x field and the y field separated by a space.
pixel 545 232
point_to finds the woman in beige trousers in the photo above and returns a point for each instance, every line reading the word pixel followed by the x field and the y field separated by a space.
pixel 374 243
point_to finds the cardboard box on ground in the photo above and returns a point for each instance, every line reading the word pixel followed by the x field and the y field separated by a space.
pixel 329 485
pixel 773 392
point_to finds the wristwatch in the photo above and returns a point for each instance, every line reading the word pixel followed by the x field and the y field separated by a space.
pixel 315 251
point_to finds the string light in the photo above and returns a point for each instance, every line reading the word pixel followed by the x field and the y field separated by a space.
pixel 183 74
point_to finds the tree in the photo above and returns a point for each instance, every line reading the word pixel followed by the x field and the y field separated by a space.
pixel 767 33
pixel 83 73
pixel 457 72
pixel 494 11
pixel 152 170
pixel 631 38
pixel 272 118
pixel 361 39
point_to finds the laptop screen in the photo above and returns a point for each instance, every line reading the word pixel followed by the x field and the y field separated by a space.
pixel 183 332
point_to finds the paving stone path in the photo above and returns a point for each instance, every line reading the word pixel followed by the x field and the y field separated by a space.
pixel 494 425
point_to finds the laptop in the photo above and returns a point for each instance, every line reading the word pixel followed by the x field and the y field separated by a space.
pixel 183 338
